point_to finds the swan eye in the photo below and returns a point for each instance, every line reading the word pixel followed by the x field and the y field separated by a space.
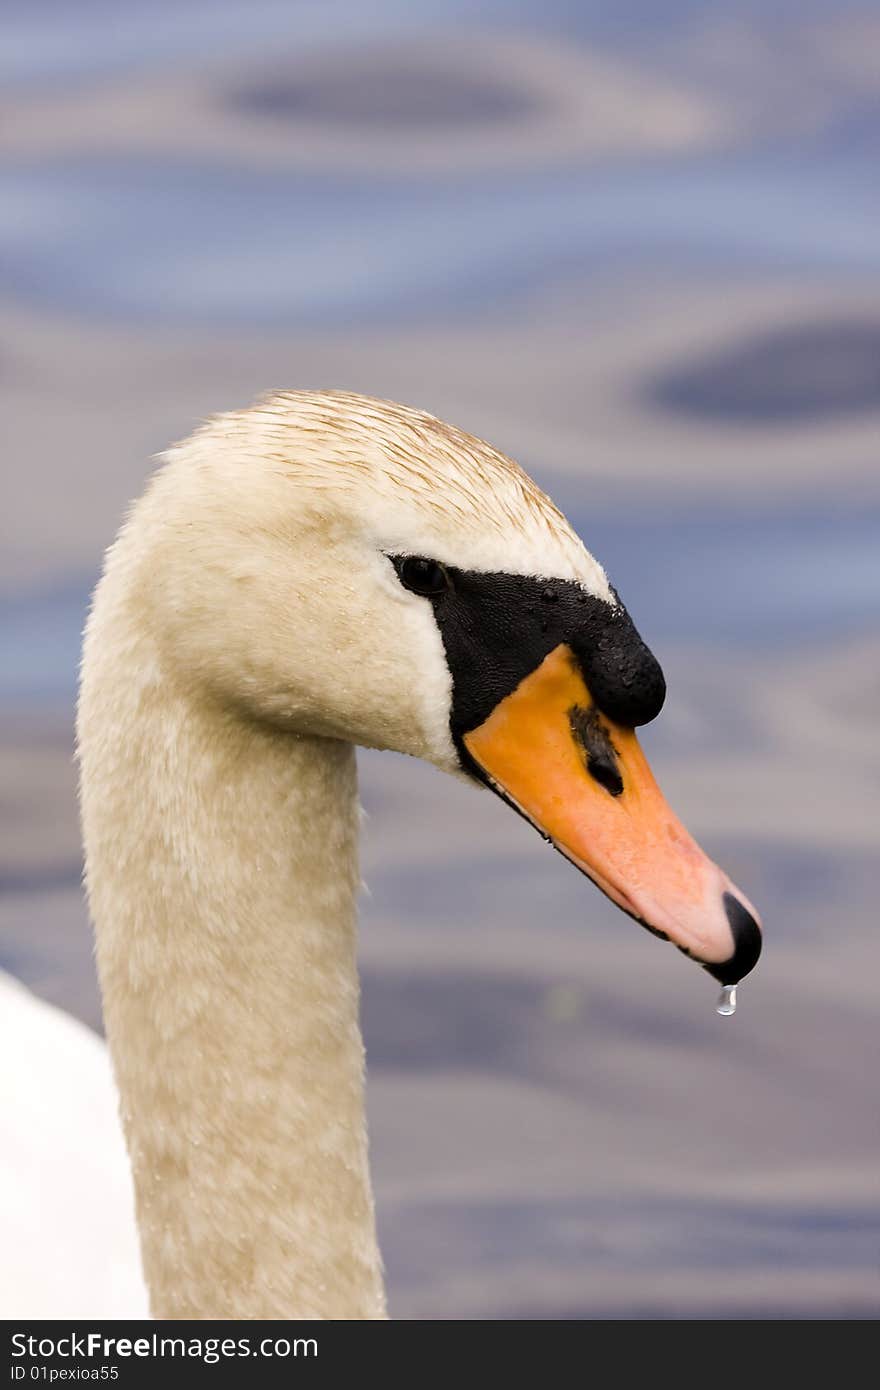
pixel 422 576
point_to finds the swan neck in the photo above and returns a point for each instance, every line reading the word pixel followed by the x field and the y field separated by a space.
pixel 222 873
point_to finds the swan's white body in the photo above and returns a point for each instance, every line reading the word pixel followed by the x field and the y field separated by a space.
pixel 251 627
pixel 66 1206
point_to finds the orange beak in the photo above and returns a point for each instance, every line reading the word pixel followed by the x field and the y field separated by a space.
pixel 585 784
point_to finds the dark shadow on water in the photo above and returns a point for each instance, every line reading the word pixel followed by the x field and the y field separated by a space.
pixel 412 93
pixel 800 372
pixel 653 1232
pixel 651 1239
pixel 549 1032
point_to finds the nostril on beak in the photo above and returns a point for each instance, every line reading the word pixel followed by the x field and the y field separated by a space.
pixel 747 942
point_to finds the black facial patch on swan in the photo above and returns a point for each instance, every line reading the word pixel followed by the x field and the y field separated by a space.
pixel 591 735
pixel 498 628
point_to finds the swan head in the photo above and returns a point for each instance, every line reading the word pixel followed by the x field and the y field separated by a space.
pixel 352 569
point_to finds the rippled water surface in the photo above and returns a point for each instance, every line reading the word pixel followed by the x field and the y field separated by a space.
pixel 643 256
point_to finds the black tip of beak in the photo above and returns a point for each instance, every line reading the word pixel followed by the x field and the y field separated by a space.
pixel 747 942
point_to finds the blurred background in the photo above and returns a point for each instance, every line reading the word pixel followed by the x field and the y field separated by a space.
pixel 637 247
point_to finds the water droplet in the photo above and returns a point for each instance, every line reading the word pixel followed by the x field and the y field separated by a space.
pixel 726 1001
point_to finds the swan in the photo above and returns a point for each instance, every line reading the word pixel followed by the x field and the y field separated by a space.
pixel 320 571
pixel 66 1210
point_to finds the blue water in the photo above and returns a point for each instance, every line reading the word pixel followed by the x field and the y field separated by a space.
pixel 184 241
pixel 177 245
pixel 51 40
pixel 188 244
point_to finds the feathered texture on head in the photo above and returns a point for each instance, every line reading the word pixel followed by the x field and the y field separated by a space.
pixel 393 456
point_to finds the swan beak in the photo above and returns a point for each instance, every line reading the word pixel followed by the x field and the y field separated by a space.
pixel 585 784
